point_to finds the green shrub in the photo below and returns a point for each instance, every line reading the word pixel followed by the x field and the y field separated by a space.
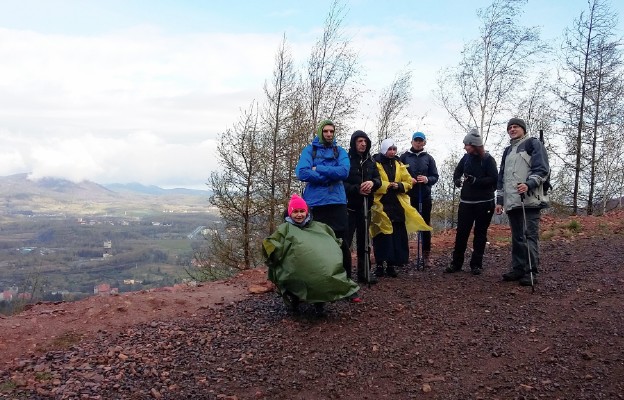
pixel 547 235
pixel 7 386
pixel 574 226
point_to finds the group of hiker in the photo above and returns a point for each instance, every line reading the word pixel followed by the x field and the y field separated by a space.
pixel 385 197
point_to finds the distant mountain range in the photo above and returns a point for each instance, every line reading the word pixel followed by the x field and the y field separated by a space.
pixel 154 190
pixel 20 195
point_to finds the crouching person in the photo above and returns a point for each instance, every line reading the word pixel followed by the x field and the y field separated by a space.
pixel 304 258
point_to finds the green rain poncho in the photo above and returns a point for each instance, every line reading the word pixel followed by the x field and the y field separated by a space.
pixel 307 262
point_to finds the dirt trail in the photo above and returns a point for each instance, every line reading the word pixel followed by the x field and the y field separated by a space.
pixel 425 333
pixel 45 326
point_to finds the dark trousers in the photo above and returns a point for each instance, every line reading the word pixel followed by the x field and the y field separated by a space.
pixel 426 214
pixel 519 252
pixel 357 226
pixel 335 215
pixel 479 215
pixel 393 248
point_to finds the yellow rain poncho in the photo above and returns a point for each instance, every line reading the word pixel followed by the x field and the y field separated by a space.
pixel 380 223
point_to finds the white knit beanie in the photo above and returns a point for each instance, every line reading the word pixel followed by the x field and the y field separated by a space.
pixel 385 145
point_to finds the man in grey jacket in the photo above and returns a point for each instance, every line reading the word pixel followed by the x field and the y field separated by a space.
pixel 523 171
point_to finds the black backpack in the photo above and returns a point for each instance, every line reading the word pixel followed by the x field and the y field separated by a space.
pixel 547 186
pixel 335 148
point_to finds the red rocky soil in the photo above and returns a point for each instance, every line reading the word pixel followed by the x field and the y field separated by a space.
pixel 424 334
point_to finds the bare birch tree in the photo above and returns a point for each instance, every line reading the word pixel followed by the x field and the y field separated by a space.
pixel 446 194
pixel 392 103
pixel 331 84
pixel 234 189
pixel 591 60
pixel 275 138
pixel 492 69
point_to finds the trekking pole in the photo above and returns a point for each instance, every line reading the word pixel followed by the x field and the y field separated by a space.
pixel 420 261
pixel 366 244
pixel 526 241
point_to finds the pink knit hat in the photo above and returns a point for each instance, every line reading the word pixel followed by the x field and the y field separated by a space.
pixel 296 202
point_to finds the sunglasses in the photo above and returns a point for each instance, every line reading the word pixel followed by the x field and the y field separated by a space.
pixel 328 131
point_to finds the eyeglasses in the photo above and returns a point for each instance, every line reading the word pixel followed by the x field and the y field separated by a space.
pixel 328 131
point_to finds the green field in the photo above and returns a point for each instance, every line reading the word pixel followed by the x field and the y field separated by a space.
pixel 43 255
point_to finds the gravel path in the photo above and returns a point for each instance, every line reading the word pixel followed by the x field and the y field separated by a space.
pixel 422 335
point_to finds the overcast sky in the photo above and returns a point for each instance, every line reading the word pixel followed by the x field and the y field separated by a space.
pixel 123 91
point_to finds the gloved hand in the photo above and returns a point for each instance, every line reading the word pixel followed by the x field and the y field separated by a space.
pixel 470 179
pixel 458 182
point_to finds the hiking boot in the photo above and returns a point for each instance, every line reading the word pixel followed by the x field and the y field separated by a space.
pixel 319 309
pixel 427 259
pixel 526 280
pixel 372 279
pixel 361 278
pixel 292 301
pixel 379 271
pixel 452 269
pixel 391 271
pixel 513 275
pixel 475 270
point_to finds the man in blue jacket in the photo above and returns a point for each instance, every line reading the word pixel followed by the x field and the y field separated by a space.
pixel 324 165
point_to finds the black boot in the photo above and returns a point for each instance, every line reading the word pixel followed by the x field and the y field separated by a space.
pixel 372 279
pixel 427 259
pixel 456 263
pixel 452 269
pixel 379 271
pixel 361 275
pixel 513 275
pixel 292 301
pixel 391 271
pixel 476 263
pixel 319 309
pixel 526 279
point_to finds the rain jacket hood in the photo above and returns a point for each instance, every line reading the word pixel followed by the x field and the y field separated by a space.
pixel 319 132
pixel 354 137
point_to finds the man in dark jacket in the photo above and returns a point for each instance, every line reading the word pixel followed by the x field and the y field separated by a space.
pixel 422 168
pixel 363 180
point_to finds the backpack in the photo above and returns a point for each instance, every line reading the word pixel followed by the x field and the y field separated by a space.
pixel 334 147
pixel 547 186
